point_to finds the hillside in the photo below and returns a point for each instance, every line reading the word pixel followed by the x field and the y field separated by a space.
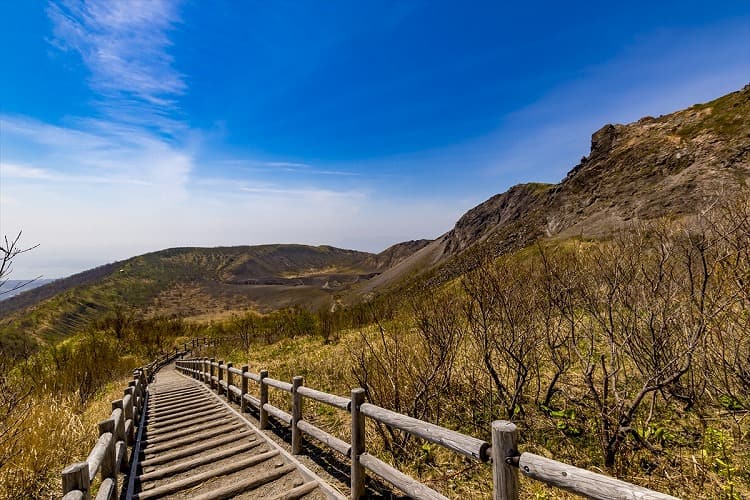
pixel 202 283
pixel 11 288
pixel 673 165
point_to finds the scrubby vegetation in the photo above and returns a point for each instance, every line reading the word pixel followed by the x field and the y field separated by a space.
pixel 629 355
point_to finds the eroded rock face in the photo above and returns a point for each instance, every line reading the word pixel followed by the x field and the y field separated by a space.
pixel 501 210
pixel 672 165
pixel 602 141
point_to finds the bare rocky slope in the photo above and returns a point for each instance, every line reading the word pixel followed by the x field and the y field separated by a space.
pixel 673 165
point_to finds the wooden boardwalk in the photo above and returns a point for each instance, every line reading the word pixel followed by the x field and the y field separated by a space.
pixel 189 442
pixel 196 446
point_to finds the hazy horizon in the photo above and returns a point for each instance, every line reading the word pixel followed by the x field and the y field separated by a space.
pixel 130 127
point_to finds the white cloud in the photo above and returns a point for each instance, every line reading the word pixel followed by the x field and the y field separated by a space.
pixel 13 171
pixel 91 152
pixel 124 44
pixel 286 164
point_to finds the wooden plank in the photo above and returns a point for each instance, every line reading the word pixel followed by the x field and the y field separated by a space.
pixel 357 473
pixel 332 441
pixel 504 475
pixel 188 482
pixel 121 456
pixel 252 400
pixel 194 438
pixel 208 445
pixel 252 376
pixel 234 370
pixel 329 399
pixel 96 456
pixel 284 386
pixel 298 492
pixel 243 389
pixel 218 419
pixel 213 410
pixel 162 472
pixel 263 417
pixel 186 398
pixel 461 443
pixel 583 482
pixel 408 485
pixel 129 431
pixel 279 414
pixel 296 415
pixel 247 485
pixel 107 490
pixel 75 477
pixel 185 431
pixel 173 415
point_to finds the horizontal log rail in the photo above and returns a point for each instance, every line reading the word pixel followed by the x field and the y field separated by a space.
pixel 502 453
pixel 117 433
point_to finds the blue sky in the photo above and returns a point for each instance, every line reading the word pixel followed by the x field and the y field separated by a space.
pixel 131 126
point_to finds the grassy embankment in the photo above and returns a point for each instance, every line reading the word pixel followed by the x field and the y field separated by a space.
pixel 52 400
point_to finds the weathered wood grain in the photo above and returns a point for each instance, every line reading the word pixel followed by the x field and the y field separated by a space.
pixel 408 485
pixel 461 443
pixel 196 462
pixel 582 481
pixel 201 478
pixel 284 386
pixel 329 399
pixel 504 476
pixel 357 473
pixel 279 414
pixel 75 477
pixel 331 441
pixel 296 415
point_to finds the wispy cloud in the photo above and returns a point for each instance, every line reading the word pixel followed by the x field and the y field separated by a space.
pixel 283 167
pixel 124 45
pixel 307 193
pixel 13 171
pixel 286 164
pixel 91 152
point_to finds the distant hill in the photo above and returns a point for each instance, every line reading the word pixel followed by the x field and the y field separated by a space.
pixel 201 283
pixel 672 166
pixel 11 288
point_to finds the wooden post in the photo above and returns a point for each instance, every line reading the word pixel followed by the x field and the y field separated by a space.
pixel 243 403
pixel 296 415
pixel 230 379
pixel 109 461
pixel 263 399
pixel 130 412
pixel 211 373
pixel 504 475
pixel 220 377
pixel 76 477
pixel 204 369
pixel 358 444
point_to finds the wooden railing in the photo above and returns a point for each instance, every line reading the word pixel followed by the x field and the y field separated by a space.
pixel 502 453
pixel 109 456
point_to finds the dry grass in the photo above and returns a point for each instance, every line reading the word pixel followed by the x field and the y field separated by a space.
pixel 56 431
pixel 686 469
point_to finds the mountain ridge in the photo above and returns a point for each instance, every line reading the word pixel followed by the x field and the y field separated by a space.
pixel 671 165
